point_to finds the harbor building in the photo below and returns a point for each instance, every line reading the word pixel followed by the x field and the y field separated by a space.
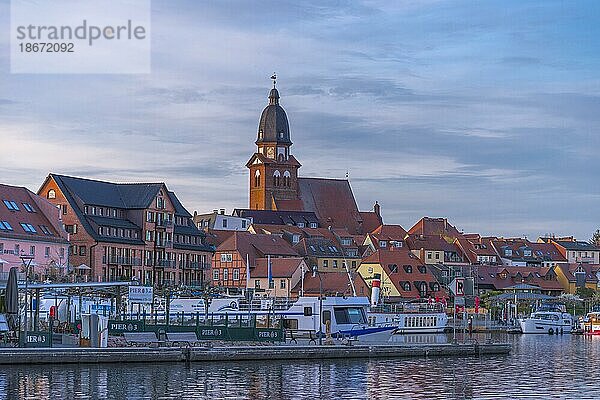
pixel 30 225
pixel 125 231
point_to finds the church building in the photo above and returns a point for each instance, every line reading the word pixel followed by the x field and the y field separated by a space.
pixel 275 185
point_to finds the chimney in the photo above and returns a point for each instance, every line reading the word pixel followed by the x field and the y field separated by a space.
pixel 215 211
pixel 377 210
pixel 222 211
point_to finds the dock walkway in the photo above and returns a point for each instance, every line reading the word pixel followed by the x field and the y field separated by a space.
pixel 241 353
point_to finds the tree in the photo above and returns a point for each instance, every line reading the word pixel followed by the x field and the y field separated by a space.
pixel 595 240
pixel 585 292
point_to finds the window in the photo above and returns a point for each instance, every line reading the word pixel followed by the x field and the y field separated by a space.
pixel 271 284
pixel 257 284
pixel 149 216
pixel 28 228
pixel 5 226
pixel 308 311
pixel 11 205
pixel 282 284
pixel 224 222
pixel 160 203
pixel 295 238
pixel 226 257
pixel 393 268
pixel 382 243
pixel 215 275
pixel 422 269
pixel 51 194
pixel 64 209
pixel 243 224
pixel 325 263
pixel 32 250
pixel 257 179
pixel 276 178
pixel 28 207
pixel 313 225
pixel 100 231
pixel 353 264
pixel 286 179
pixel 47 252
pixel 82 250
pixel 226 274
pixel 236 274
pixel 406 286
pixel 17 249
pixel 335 264
pixel 346 241
pixel 45 230
pixel 300 224
pixel 408 269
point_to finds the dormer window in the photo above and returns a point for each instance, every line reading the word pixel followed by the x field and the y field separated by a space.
pixel 406 286
pixel 382 243
pixel 408 269
pixel 280 135
pixel 508 252
pixel 313 225
pixel 295 238
pixel 300 224
pixel 422 269
pixel 51 194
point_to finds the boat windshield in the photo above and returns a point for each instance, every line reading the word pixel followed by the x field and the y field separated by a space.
pixel 546 316
pixel 349 315
pixel 552 307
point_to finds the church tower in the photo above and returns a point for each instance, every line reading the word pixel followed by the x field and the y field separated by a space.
pixel 273 169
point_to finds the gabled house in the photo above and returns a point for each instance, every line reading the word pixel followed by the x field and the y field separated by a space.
pixel 403 275
pixel 477 250
pixel 385 236
pixel 435 249
pixel 232 256
pixel 573 276
pixel 32 226
pixel 576 251
pixel 286 274
pixel 129 231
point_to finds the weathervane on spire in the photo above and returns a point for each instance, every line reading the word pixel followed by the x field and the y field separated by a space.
pixel 274 78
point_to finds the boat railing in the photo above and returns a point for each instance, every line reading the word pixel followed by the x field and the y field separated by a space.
pixel 403 308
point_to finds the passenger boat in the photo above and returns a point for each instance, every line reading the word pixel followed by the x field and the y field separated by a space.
pixel 548 318
pixel 591 322
pixel 408 317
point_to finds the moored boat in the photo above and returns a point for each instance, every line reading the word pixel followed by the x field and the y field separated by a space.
pixel 548 318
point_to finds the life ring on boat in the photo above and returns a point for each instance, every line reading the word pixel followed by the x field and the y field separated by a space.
pixel 550 331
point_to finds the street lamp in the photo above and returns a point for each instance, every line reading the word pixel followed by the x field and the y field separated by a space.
pixel 26 259
pixel 315 272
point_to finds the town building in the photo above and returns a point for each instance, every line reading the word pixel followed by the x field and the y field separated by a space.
pixel 275 185
pixel 30 225
pixel 241 250
pixel 403 275
pixel 580 275
pixel 125 231
pixel 218 221
pixel 286 273
pixel 576 251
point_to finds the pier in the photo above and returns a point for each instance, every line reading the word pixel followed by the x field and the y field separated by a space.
pixel 241 353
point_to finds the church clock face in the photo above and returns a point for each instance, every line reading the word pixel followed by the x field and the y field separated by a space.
pixel 271 152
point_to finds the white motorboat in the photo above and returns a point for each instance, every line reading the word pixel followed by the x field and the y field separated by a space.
pixel 548 318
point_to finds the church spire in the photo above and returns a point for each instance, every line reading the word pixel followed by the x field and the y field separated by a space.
pixel 274 94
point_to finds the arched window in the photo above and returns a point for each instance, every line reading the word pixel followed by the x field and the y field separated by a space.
pixel 257 179
pixel 276 178
pixel 286 178
pixel 51 194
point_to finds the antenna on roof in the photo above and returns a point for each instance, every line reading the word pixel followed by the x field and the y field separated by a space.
pixel 274 78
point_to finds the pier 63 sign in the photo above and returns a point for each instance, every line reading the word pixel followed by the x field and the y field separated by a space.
pixel 140 294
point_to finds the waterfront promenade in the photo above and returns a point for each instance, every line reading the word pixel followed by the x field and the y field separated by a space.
pixel 239 353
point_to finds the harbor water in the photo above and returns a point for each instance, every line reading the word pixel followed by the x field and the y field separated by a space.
pixel 540 366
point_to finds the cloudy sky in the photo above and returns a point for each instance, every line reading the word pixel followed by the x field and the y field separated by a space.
pixel 484 112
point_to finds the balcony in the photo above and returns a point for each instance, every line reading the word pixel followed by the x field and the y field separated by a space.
pixel 164 243
pixel 166 263
pixel 116 260
pixel 194 265
pixel 163 223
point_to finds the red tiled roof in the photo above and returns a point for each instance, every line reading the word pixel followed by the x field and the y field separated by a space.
pixel 393 232
pixel 45 214
pixel 334 284
pixel 429 242
pixel 590 271
pixel 332 201
pixel 401 257
pixel 280 267
pixel 370 220
pixel 434 226
pixel 256 246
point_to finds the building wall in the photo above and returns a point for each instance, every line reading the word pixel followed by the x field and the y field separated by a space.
pixel 367 270
pixel 220 265
pixel 47 256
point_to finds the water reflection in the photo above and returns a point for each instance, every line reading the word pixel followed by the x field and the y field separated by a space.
pixel 539 367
